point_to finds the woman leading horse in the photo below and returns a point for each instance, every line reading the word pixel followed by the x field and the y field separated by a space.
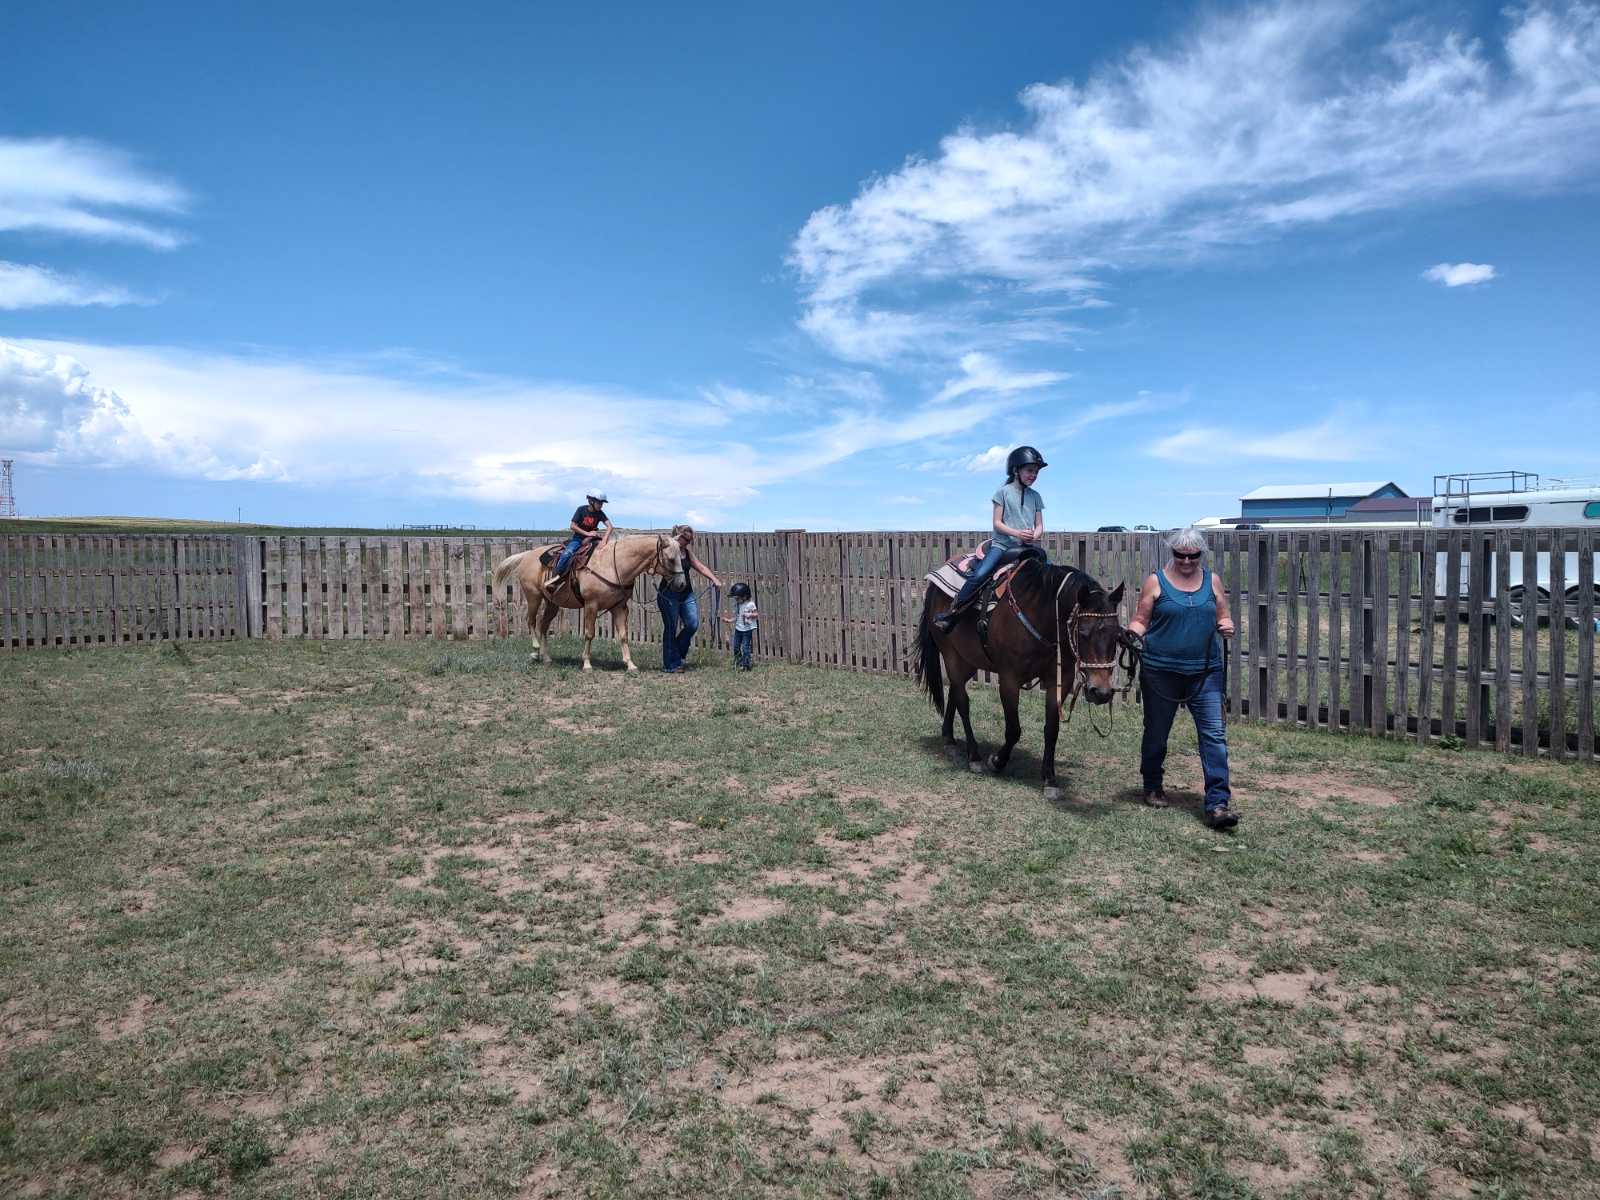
pixel 1054 624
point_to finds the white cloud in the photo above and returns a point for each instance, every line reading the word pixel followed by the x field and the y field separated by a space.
pixel 51 412
pixel 24 286
pixel 399 424
pixel 991 459
pixel 1256 124
pixel 1459 274
pixel 1337 439
pixel 77 188
pixel 981 373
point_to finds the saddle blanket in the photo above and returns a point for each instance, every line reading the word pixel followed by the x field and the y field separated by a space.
pixel 949 578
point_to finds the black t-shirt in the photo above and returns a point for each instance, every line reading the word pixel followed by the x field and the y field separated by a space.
pixel 588 518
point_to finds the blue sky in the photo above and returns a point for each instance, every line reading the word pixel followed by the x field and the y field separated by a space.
pixel 818 269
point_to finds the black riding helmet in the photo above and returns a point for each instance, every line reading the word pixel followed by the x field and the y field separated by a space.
pixel 739 591
pixel 1023 456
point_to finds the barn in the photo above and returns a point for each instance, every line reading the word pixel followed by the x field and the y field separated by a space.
pixel 1328 500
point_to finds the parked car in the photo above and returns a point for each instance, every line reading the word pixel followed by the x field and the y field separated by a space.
pixel 1249 525
pixel 1112 529
pixel 1144 528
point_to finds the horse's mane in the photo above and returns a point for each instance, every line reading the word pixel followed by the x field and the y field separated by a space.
pixel 1081 585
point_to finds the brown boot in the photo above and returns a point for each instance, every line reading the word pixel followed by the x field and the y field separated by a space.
pixel 1156 799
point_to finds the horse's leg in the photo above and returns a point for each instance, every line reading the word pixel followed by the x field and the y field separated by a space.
pixel 619 630
pixel 535 601
pixel 548 613
pixel 589 614
pixel 1052 727
pixel 1010 689
pixel 960 673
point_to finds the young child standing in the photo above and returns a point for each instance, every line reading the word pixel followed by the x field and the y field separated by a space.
pixel 744 624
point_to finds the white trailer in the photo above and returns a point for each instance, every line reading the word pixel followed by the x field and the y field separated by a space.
pixel 1517 500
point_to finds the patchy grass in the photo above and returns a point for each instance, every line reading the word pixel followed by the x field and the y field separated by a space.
pixel 416 920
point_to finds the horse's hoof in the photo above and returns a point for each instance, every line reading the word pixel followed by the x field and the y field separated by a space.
pixel 632 670
pixel 979 767
pixel 588 667
pixel 993 763
pixel 533 658
pixel 1052 795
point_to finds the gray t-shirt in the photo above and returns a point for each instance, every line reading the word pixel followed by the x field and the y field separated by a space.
pixel 745 619
pixel 1018 507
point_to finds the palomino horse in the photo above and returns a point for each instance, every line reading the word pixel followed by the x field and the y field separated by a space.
pixel 604 585
pixel 1055 624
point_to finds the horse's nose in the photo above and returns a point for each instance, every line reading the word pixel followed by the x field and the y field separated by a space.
pixel 1098 695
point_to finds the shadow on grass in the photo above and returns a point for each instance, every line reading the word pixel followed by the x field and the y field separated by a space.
pixel 1192 803
pixel 1022 772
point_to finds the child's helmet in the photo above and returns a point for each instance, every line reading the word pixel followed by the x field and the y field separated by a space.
pixel 1024 456
pixel 739 591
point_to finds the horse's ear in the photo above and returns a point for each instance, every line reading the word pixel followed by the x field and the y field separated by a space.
pixel 1116 595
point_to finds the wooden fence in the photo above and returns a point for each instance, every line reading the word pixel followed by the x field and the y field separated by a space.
pixel 1398 634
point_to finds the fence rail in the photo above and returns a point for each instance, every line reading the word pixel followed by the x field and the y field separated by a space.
pixel 1417 634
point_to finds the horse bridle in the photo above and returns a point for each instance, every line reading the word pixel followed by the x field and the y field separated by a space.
pixel 1127 657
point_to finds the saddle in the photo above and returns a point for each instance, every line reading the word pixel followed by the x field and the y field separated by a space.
pixel 579 560
pixel 958 569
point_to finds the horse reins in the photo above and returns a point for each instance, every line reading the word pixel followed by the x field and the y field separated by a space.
pixel 1127 658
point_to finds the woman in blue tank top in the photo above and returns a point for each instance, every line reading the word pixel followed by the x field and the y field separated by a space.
pixel 1182 618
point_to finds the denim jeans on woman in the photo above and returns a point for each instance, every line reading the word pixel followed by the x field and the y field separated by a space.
pixel 680 617
pixel 1163 692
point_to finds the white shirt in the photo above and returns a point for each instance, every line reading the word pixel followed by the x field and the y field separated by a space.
pixel 745 619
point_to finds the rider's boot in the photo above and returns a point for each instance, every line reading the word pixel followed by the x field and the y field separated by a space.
pixel 947 621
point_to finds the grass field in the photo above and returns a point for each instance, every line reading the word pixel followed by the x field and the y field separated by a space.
pixel 357 920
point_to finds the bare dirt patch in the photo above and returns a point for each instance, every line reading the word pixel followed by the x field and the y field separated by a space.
pixel 1313 791
pixel 130 1023
pixel 751 908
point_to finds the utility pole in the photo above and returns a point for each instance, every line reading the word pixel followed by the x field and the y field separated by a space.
pixel 8 497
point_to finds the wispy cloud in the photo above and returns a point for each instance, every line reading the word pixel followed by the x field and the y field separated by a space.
pixel 77 188
pixel 981 373
pixel 1337 439
pixel 1255 124
pixel 1459 274
pixel 25 286
pixel 1111 410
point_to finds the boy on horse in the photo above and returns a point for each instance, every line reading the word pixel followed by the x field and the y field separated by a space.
pixel 1018 521
pixel 585 526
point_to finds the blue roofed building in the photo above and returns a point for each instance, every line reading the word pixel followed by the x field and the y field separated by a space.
pixel 1314 500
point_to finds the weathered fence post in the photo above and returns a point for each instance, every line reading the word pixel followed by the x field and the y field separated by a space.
pixel 790 540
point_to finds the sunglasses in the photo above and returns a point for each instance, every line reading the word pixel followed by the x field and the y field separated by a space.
pixel 1187 557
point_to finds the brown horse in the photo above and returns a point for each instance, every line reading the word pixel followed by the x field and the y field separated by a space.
pixel 1055 624
pixel 604 585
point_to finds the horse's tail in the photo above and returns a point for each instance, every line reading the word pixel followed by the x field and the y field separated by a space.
pixel 508 566
pixel 930 667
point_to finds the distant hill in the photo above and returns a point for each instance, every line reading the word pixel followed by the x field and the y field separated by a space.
pixel 83 525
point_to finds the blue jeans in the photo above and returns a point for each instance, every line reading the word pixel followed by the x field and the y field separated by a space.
pixel 1163 692
pixel 742 638
pixel 984 569
pixel 567 552
pixel 680 617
